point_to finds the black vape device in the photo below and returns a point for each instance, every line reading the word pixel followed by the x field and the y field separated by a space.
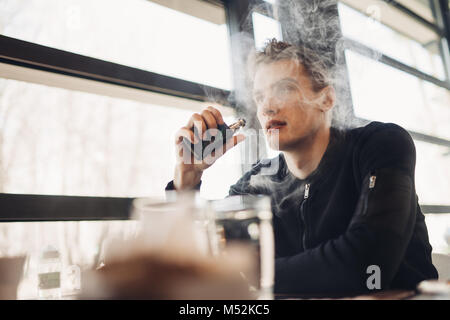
pixel 215 142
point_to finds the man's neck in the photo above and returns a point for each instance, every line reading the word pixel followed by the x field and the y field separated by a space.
pixel 305 157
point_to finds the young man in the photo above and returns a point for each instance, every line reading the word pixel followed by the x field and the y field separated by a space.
pixel 344 201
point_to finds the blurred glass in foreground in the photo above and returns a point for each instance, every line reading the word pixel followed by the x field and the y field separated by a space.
pixel 247 221
pixel 180 253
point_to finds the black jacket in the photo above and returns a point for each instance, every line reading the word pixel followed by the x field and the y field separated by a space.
pixel 358 208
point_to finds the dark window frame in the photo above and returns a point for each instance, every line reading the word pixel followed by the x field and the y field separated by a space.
pixel 34 56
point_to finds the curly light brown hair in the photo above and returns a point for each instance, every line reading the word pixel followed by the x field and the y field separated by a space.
pixel 318 71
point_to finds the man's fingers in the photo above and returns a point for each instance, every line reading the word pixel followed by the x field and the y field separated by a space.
pixel 198 123
pixel 209 119
pixel 184 132
pixel 211 123
pixel 216 113
pixel 196 119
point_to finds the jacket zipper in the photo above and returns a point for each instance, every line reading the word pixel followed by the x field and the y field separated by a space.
pixel 306 191
pixel 372 180
pixel 302 214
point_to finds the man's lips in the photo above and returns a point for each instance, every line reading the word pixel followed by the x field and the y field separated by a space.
pixel 274 124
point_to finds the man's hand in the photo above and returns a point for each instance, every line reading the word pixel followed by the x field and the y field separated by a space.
pixel 188 170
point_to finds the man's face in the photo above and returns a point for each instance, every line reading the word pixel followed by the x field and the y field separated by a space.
pixel 288 108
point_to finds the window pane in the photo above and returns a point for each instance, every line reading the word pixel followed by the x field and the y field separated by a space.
pixel 59 141
pixel 398 36
pixel 439 232
pixel 432 173
pixel 386 94
pixel 264 29
pixel 419 7
pixel 137 33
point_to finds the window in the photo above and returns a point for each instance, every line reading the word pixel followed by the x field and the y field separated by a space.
pixel 142 35
pixel 65 135
pixel 432 173
pixel 401 38
pixel 67 142
pixel 439 232
pixel 383 93
pixel 419 7
pixel 264 29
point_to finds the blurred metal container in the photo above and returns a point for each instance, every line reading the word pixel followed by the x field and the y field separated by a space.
pixel 247 220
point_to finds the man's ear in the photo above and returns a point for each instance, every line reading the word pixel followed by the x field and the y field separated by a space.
pixel 328 98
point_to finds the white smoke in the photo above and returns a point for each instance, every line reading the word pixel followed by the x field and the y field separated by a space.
pixel 313 25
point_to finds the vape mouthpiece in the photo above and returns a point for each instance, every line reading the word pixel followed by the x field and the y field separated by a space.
pixel 238 124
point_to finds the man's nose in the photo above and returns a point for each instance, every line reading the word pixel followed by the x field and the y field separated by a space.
pixel 269 107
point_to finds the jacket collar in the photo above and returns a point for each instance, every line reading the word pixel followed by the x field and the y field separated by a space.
pixel 328 162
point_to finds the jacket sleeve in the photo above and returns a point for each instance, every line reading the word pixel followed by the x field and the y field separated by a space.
pixel 171 187
pixel 380 229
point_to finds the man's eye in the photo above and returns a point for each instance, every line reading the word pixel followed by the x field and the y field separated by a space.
pixel 283 90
